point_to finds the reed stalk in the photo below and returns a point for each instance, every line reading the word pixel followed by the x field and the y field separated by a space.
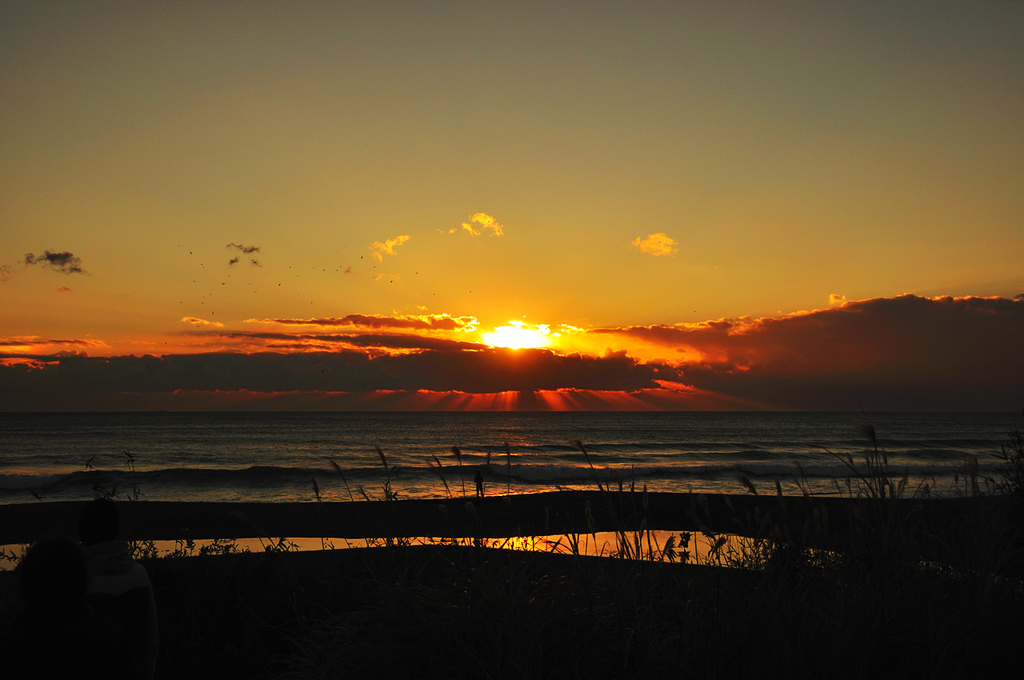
pixel 458 456
pixel 341 472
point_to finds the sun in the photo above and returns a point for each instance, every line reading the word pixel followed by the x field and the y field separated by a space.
pixel 518 336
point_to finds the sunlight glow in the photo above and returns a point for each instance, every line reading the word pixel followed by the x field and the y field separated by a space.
pixel 518 336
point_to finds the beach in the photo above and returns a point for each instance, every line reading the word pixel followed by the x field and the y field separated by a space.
pixel 837 586
pixel 465 517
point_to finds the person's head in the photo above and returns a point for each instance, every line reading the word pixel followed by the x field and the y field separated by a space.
pixel 53 573
pixel 98 522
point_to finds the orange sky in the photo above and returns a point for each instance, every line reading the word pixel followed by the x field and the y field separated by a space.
pixel 210 205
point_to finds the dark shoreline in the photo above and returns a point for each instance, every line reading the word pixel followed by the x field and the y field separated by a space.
pixel 492 517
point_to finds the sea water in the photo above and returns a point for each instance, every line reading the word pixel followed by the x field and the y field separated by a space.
pixel 282 457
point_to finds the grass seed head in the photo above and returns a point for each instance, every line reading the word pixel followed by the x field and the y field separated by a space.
pixel 745 481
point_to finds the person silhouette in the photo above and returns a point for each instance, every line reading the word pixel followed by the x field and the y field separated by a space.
pixel 479 484
pixel 120 590
pixel 58 635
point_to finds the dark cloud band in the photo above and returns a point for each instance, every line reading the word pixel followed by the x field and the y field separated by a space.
pixel 898 354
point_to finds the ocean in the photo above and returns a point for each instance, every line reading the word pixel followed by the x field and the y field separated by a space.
pixel 277 457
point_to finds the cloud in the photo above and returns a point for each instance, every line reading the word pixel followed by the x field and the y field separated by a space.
pixel 28 364
pixel 655 244
pixel 374 344
pixel 247 250
pixel 201 322
pixel 33 344
pixel 900 353
pixel 63 289
pixel 442 322
pixel 63 262
pixel 903 353
pixel 481 221
pixel 836 300
pixel 388 246
pixel 101 382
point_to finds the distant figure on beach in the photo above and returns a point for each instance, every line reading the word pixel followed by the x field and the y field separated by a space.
pixel 120 591
pixel 479 484
pixel 58 635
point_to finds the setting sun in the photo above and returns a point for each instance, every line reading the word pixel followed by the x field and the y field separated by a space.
pixel 448 228
pixel 517 336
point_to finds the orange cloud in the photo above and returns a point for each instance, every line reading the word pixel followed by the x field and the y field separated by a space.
pixel 836 300
pixel 195 321
pixel 655 244
pixel 26 363
pixel 904 353
pixel 63 289
pixel 888 353
pixel 442 322
pixel 373 345
pixel 388 247
pixel 478 222
pixel 32 344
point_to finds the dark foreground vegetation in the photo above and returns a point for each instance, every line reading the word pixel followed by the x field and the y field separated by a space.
pixel 884 582
pixel 462 612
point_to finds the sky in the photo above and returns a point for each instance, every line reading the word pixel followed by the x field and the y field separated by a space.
pixel 536 206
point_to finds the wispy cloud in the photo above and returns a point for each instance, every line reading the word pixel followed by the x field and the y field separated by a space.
pixel 478 223
pixel 195 321
pixel 33 344
pixel 25 363
pixel 836 300
pixel 63 289
pixel 655 244
pixel 388 247
pixel 63 262
pixel 245 250
pixel 373 345
pixel 443 322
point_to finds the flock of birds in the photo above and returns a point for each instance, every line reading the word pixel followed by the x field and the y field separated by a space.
pixel 249 250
